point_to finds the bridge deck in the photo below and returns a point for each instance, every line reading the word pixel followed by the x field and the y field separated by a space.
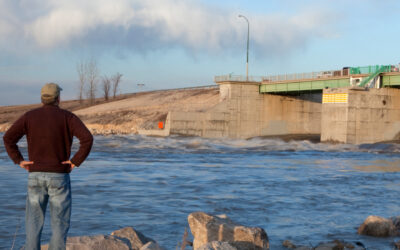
pixel 391 79
pixel 304 85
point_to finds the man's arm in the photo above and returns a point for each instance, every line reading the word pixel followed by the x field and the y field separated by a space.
pixel 11 138
pixel 85 139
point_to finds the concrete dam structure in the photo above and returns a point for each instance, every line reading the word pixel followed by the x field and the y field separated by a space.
pixel 352 105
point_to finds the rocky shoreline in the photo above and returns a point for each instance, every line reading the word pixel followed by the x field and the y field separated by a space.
pixel 221 233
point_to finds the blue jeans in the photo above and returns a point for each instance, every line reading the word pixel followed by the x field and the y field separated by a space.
pixel 46 187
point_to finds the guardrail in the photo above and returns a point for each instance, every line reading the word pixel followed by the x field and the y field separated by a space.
pixel 309 75
pixel 173 89
pixel 372 69
pixel 237 78
pixel 347 71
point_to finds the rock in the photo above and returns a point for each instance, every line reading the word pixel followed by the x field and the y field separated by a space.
pixel 151 246
pixel 135 239
pixel 98 242
pixel 207 228
pixel 329 246
pixel 338 245
pixel 396 245
pixel 123 239
pixel 378 227
pixel 304 248
pixel 332 245
pixel 359 246
pixel 217 245
pixel 396 222
pixel 288 244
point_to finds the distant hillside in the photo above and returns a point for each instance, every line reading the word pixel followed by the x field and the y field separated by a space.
pixel 127 113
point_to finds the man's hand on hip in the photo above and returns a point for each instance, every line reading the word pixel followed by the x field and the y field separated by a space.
pixel 70 164
pixel 25 164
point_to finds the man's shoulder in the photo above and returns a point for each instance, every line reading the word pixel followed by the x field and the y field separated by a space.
pixel 56 109
pixel 67 112
pixel 33 111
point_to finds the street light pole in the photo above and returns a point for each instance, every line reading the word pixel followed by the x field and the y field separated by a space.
pixel 248 38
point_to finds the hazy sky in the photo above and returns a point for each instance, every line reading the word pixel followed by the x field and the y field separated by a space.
pixel 182 43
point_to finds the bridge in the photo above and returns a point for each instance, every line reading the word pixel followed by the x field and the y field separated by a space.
pixel 351 105
pixel 376 76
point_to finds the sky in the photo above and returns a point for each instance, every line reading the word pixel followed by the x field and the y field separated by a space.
pixel 163 44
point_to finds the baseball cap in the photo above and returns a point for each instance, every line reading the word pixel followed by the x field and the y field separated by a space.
pixel 50 90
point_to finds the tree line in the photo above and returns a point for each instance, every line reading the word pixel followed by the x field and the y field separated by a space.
pixel 89 78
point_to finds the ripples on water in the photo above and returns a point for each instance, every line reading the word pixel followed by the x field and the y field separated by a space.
pixel 302 191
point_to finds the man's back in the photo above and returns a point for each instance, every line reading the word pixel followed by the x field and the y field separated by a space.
pixel 49 131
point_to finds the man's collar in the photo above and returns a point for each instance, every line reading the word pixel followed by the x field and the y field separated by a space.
pixel 50 105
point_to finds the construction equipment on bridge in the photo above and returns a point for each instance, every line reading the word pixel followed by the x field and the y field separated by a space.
pixel 373 78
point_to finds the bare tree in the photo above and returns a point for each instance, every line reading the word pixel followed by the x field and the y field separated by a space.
pixel 92 74
pixel 81 69
pixel 106 87
pixel 116 80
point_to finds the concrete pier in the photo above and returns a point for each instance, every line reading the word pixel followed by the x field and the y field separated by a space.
pixel 353 105
pixel 361 115
pixel 345 115
pixel 245 113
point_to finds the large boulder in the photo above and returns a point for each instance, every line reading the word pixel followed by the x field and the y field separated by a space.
pixel 396 222
pixel 135 238
pixel 123 239
pixel 207 228
pixel 97 242
pixel 151 246
pixel 217 245
pixel 378 227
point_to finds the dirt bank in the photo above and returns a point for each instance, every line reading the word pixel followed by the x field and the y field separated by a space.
pixel 127 113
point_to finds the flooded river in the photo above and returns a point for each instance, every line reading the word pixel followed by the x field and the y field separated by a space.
pixel 302 191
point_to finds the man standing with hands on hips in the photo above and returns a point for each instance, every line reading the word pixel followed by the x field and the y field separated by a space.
pixel 49 133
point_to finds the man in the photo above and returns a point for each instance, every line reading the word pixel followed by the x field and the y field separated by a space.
pixel 49 132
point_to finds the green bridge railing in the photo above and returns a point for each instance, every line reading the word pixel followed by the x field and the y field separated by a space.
pixel 371 69
pixel 329 79
pixel 375 72
pixel 320 75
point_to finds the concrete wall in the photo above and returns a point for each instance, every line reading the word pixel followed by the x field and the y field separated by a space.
pixel 347 115
pixel 158 132
pixel 244 113
pixel 204 124
pixel 244 106
pixel 288 115
pixel 369 116
pixel 237 115
pixel 356 116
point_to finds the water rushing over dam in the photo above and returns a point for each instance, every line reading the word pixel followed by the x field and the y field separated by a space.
pixel 302 191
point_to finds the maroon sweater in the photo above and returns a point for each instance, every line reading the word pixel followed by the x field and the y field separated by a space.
pixel 49 131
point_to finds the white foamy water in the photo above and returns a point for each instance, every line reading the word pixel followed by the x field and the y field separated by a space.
pixel 302 191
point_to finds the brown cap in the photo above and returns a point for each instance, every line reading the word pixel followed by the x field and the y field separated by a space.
pixel 50 90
